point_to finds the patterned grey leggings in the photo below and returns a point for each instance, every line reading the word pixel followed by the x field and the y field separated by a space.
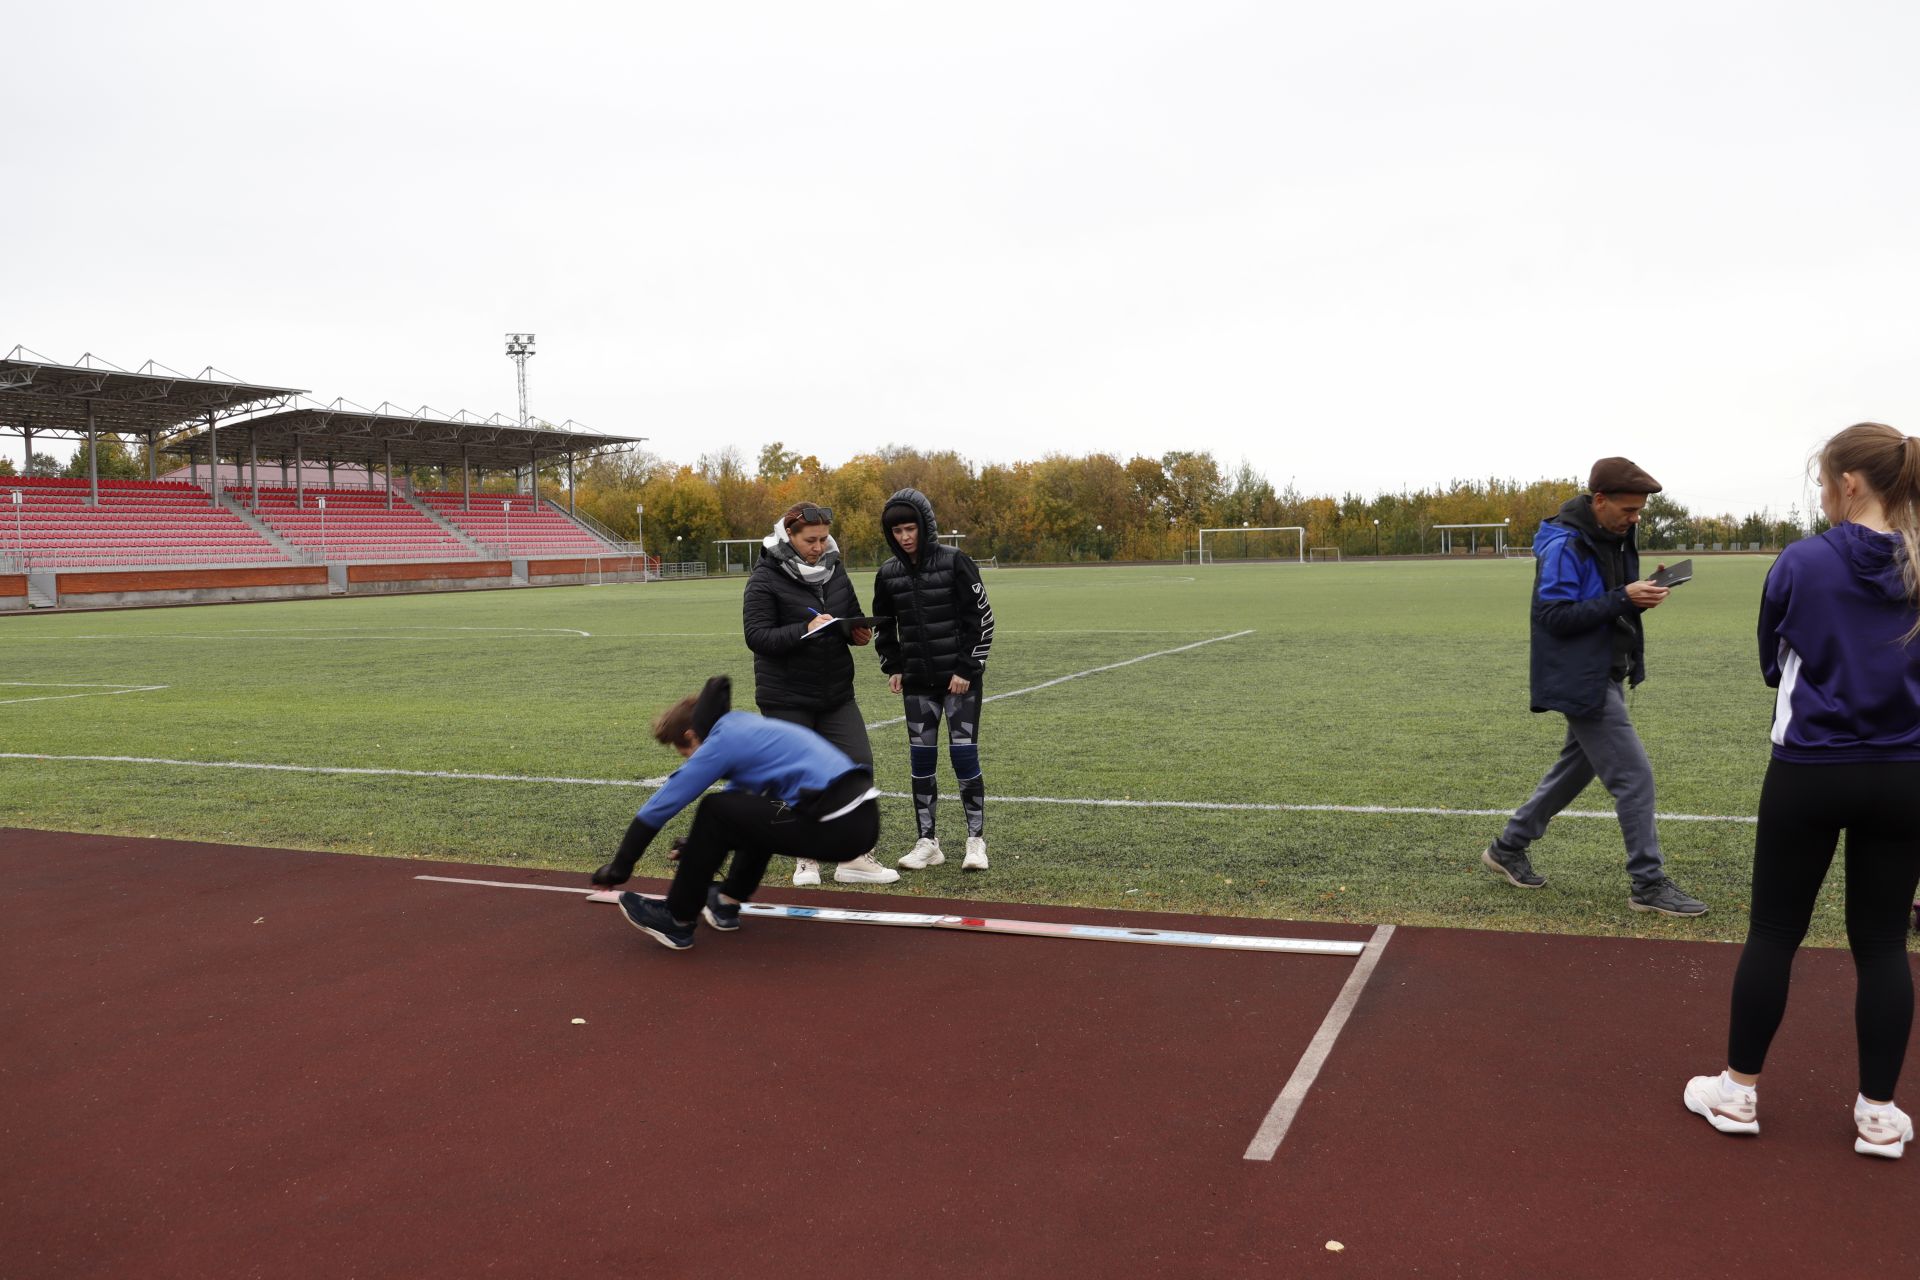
pixel 962 712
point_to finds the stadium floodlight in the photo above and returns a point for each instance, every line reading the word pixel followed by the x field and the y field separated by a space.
pixel 321 502
pixel 506 511
pixel 520 350
pixel 19 543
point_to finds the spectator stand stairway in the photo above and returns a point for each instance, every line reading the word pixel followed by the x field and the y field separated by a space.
pixel 516 526
pixel 354 525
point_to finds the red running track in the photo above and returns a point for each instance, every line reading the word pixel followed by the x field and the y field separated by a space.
pixel 220 1061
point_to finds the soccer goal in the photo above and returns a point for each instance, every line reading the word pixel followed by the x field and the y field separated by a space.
pixel 1250 548
pixel 1189 556
pixel 1323 555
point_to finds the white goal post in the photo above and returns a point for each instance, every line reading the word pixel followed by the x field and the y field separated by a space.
pixel 1300 544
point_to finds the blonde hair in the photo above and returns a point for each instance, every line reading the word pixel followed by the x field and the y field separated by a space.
pixel 1888 461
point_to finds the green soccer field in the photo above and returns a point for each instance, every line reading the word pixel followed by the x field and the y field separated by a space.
pixel 1159 782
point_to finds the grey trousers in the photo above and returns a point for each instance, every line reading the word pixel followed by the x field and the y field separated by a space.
pixel 1603 746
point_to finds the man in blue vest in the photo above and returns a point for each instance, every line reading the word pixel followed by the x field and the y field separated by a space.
pixel 1588 648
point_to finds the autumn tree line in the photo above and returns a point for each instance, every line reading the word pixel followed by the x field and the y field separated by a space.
pixel 1057 509
pixel 1093 507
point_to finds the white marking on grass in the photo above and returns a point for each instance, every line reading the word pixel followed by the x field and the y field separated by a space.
pixel 328 633
pixel 1285 1107
pixel 649 783
pixel 1086 802
pixel 1090 671
pixel 111 690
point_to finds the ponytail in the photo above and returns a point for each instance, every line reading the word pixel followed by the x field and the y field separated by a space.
pixel 1902 504
pixel 1889 463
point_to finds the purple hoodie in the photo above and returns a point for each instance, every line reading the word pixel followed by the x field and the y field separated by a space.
pixel 1831 619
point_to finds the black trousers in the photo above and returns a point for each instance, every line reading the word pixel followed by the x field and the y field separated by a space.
pixel 1803 810
pixel 843 726
pixel 753 828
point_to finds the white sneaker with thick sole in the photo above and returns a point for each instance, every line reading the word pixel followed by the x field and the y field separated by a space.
pixel 1728 1110
pixel 976 859
pixel 865 869
pixel 1883 1133
pixel 806 871
pixel 925 853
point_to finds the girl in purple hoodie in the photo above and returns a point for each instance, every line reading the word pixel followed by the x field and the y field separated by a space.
pixel 1839 619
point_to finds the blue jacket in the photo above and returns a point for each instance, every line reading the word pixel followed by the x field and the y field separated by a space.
pixel 773 758
pixel 1832 617
pixel 1576 615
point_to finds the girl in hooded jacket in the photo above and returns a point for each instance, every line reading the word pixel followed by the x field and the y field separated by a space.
pixel 802 663
pixel 1839 619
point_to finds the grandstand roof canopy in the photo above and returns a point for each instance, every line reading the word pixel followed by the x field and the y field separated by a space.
pixel 52 399
pixel 346 432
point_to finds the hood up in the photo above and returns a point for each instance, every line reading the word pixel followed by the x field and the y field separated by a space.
pixel 923 507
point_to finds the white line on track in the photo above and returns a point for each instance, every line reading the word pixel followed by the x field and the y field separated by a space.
pixel 1090 671
pixel 1273 1130
pixel 110 690
pixel 1218 806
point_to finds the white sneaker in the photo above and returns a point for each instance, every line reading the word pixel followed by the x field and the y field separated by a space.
pixel 806 871
pixel 976 859
pixel 1881 1132
pixel 925 853
pixel 1728 1110
pixel 865 869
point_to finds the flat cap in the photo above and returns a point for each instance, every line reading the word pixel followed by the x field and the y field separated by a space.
pixel 1620 475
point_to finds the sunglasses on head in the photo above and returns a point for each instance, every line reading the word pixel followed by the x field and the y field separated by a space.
pixel 810 514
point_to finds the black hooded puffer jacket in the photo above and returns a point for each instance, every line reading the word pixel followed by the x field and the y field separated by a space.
pixel 944 625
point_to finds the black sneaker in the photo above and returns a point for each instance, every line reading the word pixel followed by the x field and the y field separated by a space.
pixel 1664 896
pixel 724 916
pixel 653 919
pixel 1514 866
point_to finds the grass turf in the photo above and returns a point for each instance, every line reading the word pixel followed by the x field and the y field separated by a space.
pixel 1400 685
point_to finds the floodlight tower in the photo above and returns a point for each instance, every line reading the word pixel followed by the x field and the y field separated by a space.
pixel 519 350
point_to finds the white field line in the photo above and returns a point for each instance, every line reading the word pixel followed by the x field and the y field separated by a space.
pixel 1221 806
pixel 647 783
pixel 1090 671
pixel 111 690
pixel 330 633
pixel 1285 1107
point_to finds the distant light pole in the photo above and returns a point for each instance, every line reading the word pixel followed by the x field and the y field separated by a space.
pixel 640 535
pixel 1376 535
pixel 520 350
pixel 506 510
pixel 1098 540
pixel 19 543
pixel 321 502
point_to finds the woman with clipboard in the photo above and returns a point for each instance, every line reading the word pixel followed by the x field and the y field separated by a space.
pixel 803 668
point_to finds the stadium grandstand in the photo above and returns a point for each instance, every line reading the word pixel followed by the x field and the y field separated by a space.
pixel 219 505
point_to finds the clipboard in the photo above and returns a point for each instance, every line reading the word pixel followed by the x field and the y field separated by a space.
pixel 875 623
pixel 1673 575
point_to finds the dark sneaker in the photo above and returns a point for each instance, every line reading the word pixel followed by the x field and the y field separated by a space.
pixel 653 919
pixel 724 916
pixel 1514 866
pixel 1664 896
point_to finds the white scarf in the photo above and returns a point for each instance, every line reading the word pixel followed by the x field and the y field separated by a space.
pixel 787 557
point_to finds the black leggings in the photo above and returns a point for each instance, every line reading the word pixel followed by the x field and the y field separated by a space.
pixel 1803 809
pixel 754 828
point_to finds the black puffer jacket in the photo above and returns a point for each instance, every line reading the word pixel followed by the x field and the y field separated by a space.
pixel 791 668
pixel 944 625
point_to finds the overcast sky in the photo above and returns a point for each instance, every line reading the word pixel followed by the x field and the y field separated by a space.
pixel 1362 246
